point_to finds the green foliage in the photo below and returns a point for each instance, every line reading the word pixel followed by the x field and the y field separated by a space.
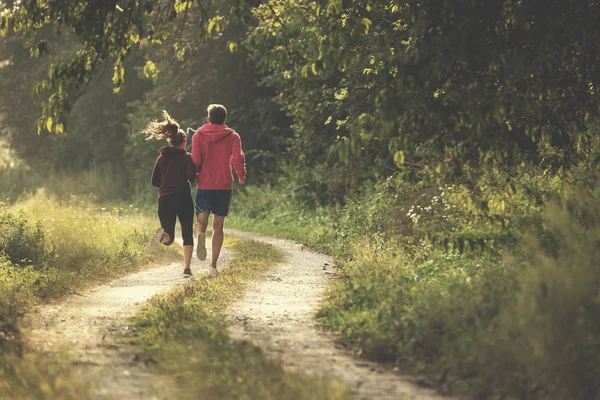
pixel 479 289
pixel 34 377
pixel 489 111
pixel 21 243
pixel 269 210
pixel 369 83
pixel 75 243
pixel 209 73
pixel 94 132
pixel 469 80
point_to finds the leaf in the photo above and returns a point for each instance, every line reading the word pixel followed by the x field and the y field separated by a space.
pixel 334 7
pixel 49 123
pixel 232 46
pixel 366 22
pixel 399 158
pixel 150 70
pixel 304 71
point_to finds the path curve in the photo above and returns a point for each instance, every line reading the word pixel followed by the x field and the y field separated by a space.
pixel 276 313
pixel 89 329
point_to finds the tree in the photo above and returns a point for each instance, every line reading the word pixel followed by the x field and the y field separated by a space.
pixel 471 81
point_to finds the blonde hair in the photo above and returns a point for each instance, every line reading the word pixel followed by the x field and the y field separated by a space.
pixel 167 129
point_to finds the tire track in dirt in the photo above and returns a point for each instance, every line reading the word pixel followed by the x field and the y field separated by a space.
pixel 88 330
pixel 277 312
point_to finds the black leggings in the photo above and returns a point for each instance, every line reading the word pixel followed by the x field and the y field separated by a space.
pixel 177 205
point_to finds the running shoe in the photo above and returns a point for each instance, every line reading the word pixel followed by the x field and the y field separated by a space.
pixel 187 273
pixel 157 237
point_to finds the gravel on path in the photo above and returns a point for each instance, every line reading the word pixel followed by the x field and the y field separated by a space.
pixel 90 330
pixel 277 314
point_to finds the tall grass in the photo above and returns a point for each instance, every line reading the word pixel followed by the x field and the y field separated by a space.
pixel 48 247
pixel 481 288
pixel 86 242
pixel 99 185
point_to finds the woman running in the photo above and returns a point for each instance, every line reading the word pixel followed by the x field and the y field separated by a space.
pixel 173 172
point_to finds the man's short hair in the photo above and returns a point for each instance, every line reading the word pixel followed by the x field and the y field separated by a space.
pixel 217 113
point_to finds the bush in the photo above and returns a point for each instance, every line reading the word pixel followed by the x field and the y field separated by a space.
pixel 523 325
pixel 487 286
pixel 20 242
pixel 74 243
pixel 15 296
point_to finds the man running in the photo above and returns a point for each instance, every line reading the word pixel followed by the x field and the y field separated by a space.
pixel 215 148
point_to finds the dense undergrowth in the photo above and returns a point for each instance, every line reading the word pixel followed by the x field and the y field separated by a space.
pixel 487 287
pixel 50 246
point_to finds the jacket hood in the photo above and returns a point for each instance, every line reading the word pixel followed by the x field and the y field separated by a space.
pixel 214 132
pixel 168 151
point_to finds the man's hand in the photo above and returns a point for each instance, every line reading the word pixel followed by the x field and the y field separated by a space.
pixel 241 181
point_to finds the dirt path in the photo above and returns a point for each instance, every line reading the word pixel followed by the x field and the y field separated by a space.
pixel 277 315
pixel 89 328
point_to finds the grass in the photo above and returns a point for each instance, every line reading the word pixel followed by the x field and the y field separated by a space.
pixel 50 248
pixel 87 244
pixel 34 377
pixel 184 332
pixel 96 185
pixel 477 289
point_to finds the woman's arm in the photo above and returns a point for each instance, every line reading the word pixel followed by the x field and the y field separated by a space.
pixel 190 169
pixel 156 173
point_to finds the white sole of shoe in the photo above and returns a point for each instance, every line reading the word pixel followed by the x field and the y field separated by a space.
pixel 155 241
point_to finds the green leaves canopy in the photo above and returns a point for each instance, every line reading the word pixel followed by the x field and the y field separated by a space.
pixel 382 81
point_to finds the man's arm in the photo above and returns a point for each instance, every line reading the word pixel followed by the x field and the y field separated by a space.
pixel 197 157
pixel 239 159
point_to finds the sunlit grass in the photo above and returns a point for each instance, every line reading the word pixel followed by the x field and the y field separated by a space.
pixel 76 244
pixel 33 377
pixel 88 243
pixel 184 331
pixel 97 185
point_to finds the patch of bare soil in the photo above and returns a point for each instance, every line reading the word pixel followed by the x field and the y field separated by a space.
pixel 277 313
pixel 89 330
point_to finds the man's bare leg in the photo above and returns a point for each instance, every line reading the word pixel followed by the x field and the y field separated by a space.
pixel 200 229
pixel 217 238
pixel 202 223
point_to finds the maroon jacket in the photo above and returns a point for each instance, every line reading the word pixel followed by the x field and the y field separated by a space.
pixel 173 170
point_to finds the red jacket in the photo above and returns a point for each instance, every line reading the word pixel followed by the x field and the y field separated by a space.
pixel 214 148
pixel 172 171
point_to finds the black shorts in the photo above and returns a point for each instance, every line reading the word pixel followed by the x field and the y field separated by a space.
pixel 217 201
pixel 173 206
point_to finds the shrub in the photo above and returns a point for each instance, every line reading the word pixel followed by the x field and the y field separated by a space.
pixel 20 242
pixel 487 286
pixel 521 325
